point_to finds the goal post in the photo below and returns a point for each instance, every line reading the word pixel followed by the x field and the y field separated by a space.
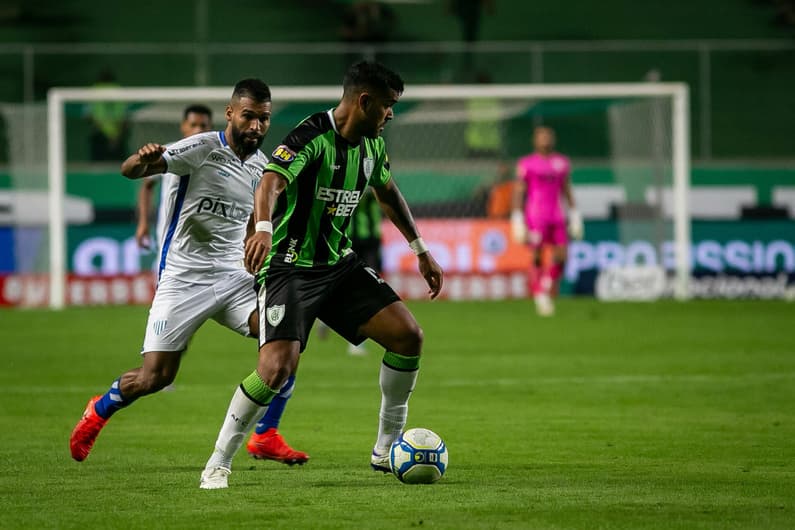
pixel 676 94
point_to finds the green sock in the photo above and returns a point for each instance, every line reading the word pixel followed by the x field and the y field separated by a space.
pixel 401 362
pixel 257 390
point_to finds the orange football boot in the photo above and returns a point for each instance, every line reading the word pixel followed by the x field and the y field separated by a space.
pixel 270 445
pixel 86 431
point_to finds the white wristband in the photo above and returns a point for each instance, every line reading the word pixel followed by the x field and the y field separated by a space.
pixel 418 246
pixel 264 226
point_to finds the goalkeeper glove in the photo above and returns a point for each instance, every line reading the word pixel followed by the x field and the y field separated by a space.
pixel 576 228
pixel 518 228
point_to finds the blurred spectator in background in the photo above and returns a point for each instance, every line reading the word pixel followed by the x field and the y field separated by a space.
pixel 482 134
pixel 500 198
pixel 493 198
pixel 366 230
pixel 108 123
pixel 366 22
pixel 785 13
pixel 469 13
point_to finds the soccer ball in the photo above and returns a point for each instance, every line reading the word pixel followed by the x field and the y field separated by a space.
pixel 418 456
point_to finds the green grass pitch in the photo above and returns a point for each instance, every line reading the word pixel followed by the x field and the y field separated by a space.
pixel 662 415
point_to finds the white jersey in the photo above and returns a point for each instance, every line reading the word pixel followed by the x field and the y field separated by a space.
pixel 207 218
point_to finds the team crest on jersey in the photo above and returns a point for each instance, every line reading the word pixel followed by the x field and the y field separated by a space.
pixel 275 314
pixel 558 164
pixel 283 153
pixel 367 166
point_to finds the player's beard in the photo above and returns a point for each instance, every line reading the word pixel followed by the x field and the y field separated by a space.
pixel 246 143
pixel 375 131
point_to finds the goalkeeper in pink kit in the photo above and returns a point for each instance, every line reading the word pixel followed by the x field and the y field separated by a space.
pixel 538 219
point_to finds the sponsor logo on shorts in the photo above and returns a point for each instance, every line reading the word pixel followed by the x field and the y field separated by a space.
pixel 275 314
pixel 159 326
pixel 283 154
pixel 374 274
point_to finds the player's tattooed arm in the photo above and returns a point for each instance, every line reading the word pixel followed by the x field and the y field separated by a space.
pixel 148 160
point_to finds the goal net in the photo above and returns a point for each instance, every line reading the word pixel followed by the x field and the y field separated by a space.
pixel 451 148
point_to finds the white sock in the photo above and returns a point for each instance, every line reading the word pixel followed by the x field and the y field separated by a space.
pixel 396 388
pixel 240 417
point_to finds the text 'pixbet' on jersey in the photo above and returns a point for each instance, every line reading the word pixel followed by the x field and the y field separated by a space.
pixel 221 208
pixel 344 201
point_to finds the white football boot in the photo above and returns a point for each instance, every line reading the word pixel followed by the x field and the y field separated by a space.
pixel 380 462
pixel 215 478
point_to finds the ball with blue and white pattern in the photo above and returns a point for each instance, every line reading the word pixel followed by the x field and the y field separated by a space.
pixel 418 456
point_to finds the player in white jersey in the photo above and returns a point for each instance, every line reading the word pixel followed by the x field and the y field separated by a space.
pixel 201 272
pixel 195 119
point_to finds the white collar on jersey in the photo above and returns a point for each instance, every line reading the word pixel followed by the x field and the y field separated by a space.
pixel 330 113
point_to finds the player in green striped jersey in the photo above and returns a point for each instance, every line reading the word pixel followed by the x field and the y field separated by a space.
pixel 305 267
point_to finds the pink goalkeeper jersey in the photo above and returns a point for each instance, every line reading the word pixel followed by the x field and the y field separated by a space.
pixel 545 177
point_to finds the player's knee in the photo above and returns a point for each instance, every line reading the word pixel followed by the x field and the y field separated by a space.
pixel 410 341
pixel 276 366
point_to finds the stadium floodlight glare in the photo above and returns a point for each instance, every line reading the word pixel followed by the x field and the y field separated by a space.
pixel 675 94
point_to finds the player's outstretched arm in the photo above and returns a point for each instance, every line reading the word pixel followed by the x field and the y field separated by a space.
pixel 395 207
pixel 259 244
pixel 148 160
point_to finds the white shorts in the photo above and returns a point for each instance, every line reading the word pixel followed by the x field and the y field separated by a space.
pixel 180 308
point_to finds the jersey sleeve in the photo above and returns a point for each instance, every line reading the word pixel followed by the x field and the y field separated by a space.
pixel 382 173
pixel 184 156
pixel 291 157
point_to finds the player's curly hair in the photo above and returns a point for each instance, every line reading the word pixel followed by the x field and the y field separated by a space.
pixel 255 89
pixel 371 75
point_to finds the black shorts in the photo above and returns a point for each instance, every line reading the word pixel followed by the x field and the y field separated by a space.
pixel 344 296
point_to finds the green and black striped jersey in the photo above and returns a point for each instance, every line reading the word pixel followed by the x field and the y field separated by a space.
pixel 326 176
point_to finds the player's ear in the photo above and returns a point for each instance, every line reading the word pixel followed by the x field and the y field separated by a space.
pixel 228 112
pixel 364 101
